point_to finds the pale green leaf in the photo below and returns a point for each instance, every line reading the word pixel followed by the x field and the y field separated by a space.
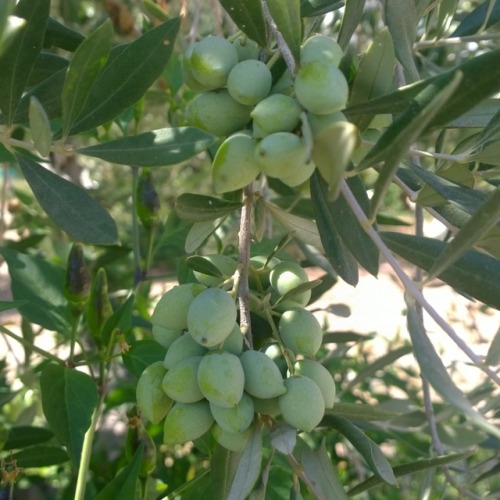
pixel 286 15
pixel 493 355
pixel 224 464
pixel 350 20
pixel 358 412
pixel 40 127
pixel 199 232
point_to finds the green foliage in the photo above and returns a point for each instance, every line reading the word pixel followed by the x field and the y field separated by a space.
pixel 136 153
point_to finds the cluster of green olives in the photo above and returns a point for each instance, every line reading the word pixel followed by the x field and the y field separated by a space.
pixel 260 121
pixel 210 382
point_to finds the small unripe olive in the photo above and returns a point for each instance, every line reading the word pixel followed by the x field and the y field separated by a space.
pixel 218 113
pixel 171 310
pixel 274 352
pixel 225 264
pixel 187 422
pixel 182 348
pixel 285 156
pixel 259 272
pixel 302 406
pixel 300 331
pixel 276 113
pixel 236 419
pixel 249 82
pixel 321 87
pixel 187 73
pixel 318 373
pixel 165 336
pixel 246 48
pixel 262 376
pixel 284 85
pixel 320 48
pixel 181 382
pixel 319 123
pixel 152 402
pixel 221 378
pixel 234 165
pixel 234 441
pixel 211 61
pixel 211 317
pixel 234 342
pixel 285 277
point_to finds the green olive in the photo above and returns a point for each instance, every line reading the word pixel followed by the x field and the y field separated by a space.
pixel 300 331
pixel 249 82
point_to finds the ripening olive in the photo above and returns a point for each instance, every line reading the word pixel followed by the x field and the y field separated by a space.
pixel 276 113
pixel 300 331
pixel 249 82
pixel 187 422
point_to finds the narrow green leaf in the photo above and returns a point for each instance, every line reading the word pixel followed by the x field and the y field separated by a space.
pixel 410 468
pixel 475 274
pixel 440 20
pixel 203 265
pixel 224 464
pixel 84 67
pixel 120 319
pixel 22 436
pixel 199 232
pixel 352 17
pixel 10 25
pixel 375 75
pixel 336 251
pixel 349 228
pixel 201 208
pixel 40 127
pixel 358 412
pixel 319 470
pixel 368 449
pixel 127 76
pixel 312 8
pixel 304 229
pixel 45 66
pixel 490 154
pixel 69 398
pixel 303 287
pixel 484 219
pixel 39 284
pixel 249 17
pixel 493 356
pixel 5 305
pixel 286 15
pixel 404 131
pixel 249 467
pixel 20 55
pixel 61 36
pixel 434 371
pixel 166 146
pixel 477 117
pixel 69 205
pixel 402 19
pixel 475 20
pixel 123 485
pixel 284 438
pixel 141 354
pixel 40 456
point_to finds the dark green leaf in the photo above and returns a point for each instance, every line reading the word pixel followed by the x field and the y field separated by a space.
pixel 319 470
pixel 20 55
pixel 402 19
pixel 368 449
pixel 336 251
pixel 397 139
pixel 350 20
pixel 410 468
pixel 204 266
pixel 45 66
pixel 286 15
pixel 435 372
pixel 22 436
pixel 40 285
pixel 40 456
pixel 61 36
pixel 201 208
pixel 248 469
pixel 123 485
pixel 126 77
pixel 166 146
pixel 5 305
pixel 358 412
pixel 475 19
pixel 312 8
pixel 142 354
pixel 349 228
pixel 224 464
pixel 199 232
pixel 84 67
pixel 69 398
pixel 475 273
pixel 249 17
pixel 69 205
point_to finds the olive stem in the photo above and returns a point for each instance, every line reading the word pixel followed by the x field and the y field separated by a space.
pixel 241 275
pixel 410 286
pixel 299 471
pixel 282 45
pixel 135 228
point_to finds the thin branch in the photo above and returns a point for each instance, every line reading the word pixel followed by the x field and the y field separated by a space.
pixel 411 287
pixel 427 44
